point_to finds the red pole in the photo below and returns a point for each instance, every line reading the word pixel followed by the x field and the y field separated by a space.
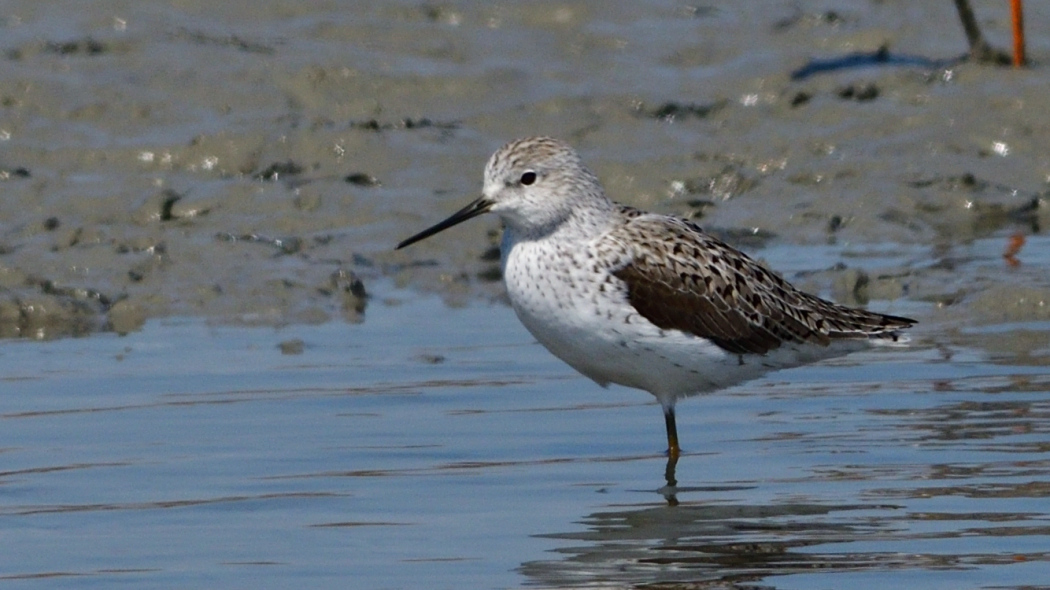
pixel 1018 20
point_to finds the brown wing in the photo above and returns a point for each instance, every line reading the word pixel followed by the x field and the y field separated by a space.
pixel 680 278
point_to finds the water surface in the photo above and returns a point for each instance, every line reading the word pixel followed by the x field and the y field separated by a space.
pixel 442 447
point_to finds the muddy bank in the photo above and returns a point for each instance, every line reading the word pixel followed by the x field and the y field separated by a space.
pixel 258 164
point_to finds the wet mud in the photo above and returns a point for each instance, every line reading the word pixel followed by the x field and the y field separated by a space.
pixel 257 164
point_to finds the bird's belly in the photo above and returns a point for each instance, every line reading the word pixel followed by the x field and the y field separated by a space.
pixel 589 323
pixel 582 315
pixel 610 353
pixel 597 332
pixel 667 363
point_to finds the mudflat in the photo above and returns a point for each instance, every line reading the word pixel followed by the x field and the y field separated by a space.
pixel 256 162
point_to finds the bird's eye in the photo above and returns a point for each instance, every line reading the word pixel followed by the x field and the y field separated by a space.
pixel 527 178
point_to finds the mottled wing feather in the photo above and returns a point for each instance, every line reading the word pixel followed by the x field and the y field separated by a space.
pixel 680 278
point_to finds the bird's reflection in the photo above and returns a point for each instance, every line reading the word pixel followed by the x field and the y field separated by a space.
pixel 670 491
pixel 690 543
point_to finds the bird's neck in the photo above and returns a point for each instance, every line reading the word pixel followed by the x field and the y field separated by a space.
pixel 578 225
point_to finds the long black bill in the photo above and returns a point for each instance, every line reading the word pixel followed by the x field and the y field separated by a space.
pixel 472 210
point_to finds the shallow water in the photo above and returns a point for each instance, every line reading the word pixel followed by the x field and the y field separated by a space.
pixel 178 171
pixel 441 447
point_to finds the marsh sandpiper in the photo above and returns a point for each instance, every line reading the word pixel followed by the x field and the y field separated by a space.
pixel 645 300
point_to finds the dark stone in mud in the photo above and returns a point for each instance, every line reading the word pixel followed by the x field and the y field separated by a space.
pixel 435 13
pixel 966 180
pixel 859 93
pixel 492 274
pixel 670 111
pixel 289 245
pixel 721 186
pixel 369 125
pixel 406 123
pixel 72 293
pixel 51 223
pixel 361 179
pixel 286 245
pixel 699 207
pixel 347 281
pixel 834 223
pixel 232 41
pixel 170 198
pixel 349 287
pixel 829 17
pixel 358 259
pixel 156 207
pixel 277 169
pixel 86 46
pixel 292 347
pixel 492 254
pixel 800 98
pixel 423 123
pixel 143 244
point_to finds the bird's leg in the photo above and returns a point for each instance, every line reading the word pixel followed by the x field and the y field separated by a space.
pixel 672 461
pixel 673 450
pixel 670 491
